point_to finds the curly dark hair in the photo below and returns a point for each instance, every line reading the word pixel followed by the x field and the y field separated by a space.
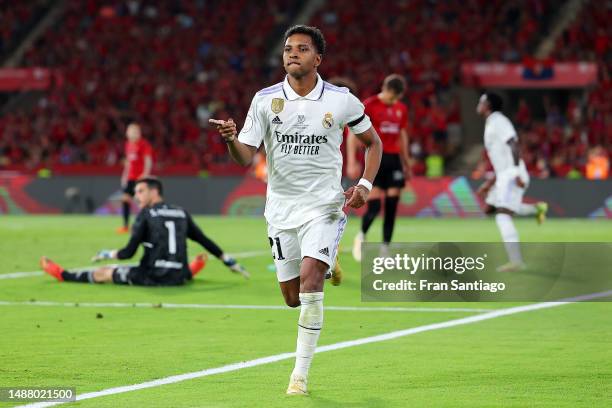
pixel 313 32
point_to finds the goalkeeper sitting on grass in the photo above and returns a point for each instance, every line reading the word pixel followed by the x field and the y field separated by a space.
pixel 162 230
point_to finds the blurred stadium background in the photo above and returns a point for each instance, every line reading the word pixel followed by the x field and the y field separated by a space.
pixel 74 72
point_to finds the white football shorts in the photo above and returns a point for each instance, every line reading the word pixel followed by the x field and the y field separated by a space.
pixel 505 193
pixel 317 238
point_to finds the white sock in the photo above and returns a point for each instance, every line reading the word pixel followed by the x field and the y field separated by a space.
pixel 527 209
pixel 309 329
pixel 510 237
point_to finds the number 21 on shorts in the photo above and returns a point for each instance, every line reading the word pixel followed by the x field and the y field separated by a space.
pixel 279 252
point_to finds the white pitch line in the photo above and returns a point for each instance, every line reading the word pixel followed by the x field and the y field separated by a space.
pixel 17 275
pixel 331 347
pixel 250 254
pixel 241 307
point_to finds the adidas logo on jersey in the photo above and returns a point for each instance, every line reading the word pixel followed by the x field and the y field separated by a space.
pixel 277 121
pixel 324 251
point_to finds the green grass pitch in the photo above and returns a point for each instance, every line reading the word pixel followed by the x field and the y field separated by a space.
pixel 557 357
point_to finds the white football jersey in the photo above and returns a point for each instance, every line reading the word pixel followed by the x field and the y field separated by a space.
pixel 302 138
pixel 498 130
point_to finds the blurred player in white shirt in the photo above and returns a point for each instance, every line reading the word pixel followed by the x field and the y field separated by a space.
pixel 504 193
pixel 300 122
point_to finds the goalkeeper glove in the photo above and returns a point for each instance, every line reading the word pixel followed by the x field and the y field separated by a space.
pixel 228 261
pixel 104 254
pixel 235 267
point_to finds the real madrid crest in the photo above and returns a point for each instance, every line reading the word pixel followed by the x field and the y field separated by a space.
pixel 277 105
pixel 328 120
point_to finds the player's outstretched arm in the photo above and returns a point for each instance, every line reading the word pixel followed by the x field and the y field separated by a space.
pixel 357 196
pixel 241 153
pixel 138 233
pixel 194 233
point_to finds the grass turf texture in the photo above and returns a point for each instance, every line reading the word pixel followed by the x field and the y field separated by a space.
pixel 554 357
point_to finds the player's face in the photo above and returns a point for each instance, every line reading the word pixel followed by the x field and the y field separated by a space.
pixel 144 195
pixel 133 132
pixel 300 56
pixel 391 95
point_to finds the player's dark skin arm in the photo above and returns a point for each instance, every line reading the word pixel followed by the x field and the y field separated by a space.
pixel 515 149
pixel 357 195
pixel 373 152
pixel 242 154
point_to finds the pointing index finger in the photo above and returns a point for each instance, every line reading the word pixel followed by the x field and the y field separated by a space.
pixel 216 121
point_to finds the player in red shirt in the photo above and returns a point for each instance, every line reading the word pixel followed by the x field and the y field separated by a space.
pixel 138 164
pixel 389 117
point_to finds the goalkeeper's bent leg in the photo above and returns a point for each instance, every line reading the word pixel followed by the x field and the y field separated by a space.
pixel 100 275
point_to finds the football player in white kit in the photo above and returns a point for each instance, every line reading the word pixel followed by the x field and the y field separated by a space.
pixel 504 193
pixel 300 122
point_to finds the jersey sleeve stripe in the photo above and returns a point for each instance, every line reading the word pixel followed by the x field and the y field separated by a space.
pixel 356 121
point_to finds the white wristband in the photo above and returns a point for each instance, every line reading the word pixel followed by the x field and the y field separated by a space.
pixel 365 183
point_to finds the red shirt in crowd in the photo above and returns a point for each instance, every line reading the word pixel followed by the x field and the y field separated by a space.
pixel 135 153
pixel 388 120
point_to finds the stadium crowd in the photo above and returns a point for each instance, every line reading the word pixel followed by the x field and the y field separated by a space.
pixel 172 65
pixel 576 142
pixel 426 42
pixel 169 65
pixel 16 19
pixel 588 126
